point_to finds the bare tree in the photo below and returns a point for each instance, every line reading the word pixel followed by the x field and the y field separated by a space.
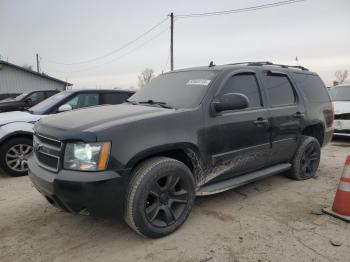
pixel 146 76
pixel 341 75
pixel 26 66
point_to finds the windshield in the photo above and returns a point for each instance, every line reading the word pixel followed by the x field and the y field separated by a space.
pixel 177 89
pixel 340 93
pixel 20 97
pixel 42 107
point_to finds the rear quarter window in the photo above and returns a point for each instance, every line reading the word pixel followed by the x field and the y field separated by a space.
pixel 312 86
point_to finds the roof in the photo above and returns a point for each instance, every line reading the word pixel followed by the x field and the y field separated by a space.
pixel 100 90
pixel 267 65
pixel 34 73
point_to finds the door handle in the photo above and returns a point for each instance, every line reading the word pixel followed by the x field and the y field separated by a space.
pixel 261 122
pixel 299 115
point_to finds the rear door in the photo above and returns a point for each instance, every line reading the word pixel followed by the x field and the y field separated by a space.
pixel 285 115
pixel 238 140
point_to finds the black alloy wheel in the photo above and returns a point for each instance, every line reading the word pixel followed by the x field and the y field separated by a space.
pixel 310 160
pixel 166 201
pixel 160 197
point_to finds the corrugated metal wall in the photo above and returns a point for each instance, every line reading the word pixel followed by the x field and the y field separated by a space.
pixel 13 80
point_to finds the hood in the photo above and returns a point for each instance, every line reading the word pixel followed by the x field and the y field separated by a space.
pixel 17 116
pixel 341 107
pixel 7 100
pixel 97 118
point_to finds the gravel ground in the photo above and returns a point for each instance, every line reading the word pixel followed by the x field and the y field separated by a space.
pixel 275 219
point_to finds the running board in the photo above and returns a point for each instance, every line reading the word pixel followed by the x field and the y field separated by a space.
pixel 241 180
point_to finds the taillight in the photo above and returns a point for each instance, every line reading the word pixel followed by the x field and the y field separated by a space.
pixel 333 115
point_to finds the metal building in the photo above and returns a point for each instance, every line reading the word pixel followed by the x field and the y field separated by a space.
pixel 16 79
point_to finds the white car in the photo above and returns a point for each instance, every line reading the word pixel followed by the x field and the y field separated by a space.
pixel 16 128
pixel 341 101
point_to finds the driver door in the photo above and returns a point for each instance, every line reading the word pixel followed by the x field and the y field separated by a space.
pixel 239 140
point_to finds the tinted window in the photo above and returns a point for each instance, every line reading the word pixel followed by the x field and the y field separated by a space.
pixel 279 89
pixel 114 98
pixel 36 97
pixel 341 93
pixel 312 86
pixel 83 100
pixel 244 84
pixel 50 93
pixel 184 89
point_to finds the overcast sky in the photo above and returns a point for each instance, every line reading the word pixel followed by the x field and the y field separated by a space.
pixel 67 31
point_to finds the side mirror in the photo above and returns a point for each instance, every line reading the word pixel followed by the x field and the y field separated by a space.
pixel 64 108
pixel 231 101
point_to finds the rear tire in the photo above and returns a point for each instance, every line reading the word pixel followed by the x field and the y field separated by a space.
pixel 14 155
pixel 160 197
pixel 306 160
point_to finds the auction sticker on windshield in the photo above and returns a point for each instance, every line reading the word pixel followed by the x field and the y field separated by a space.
pixel 201 82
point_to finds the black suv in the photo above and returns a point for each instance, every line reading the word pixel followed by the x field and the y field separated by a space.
pixel 25 100
pixel 190 132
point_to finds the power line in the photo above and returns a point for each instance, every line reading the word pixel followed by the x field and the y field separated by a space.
pixel 239 10
pixel 119 57
pixel 111 52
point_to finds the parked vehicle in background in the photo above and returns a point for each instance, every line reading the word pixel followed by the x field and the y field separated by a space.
pixel 340 96
pixel 16 128
pixel 196 131
pixel 25 100
pixel 8 95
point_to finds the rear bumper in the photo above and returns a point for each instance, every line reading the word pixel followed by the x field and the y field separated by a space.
pixel 328 135
pixel 91 193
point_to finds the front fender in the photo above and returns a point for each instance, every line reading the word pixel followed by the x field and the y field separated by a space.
pixel 159 150
pixel 16 128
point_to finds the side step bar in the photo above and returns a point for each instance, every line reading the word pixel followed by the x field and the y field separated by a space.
pixel 242 180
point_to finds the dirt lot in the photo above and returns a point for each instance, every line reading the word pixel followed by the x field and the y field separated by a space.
pixel 275 219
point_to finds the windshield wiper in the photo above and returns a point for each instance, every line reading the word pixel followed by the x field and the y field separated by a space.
pixel 158 103
pixel 131 102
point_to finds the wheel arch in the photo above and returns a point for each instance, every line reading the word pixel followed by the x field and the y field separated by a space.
pixel 15 135
pixel 186 153
pixel 315 130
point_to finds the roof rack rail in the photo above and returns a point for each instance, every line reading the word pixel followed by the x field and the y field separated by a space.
pixel 264 63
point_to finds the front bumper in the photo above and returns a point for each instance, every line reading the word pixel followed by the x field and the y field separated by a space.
pixel 90 193
pixel 342 127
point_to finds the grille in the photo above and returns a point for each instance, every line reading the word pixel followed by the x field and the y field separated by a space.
pixel 342 116
pixel 47 152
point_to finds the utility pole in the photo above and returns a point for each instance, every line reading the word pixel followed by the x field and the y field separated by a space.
pixel 171 41
pixel 37 63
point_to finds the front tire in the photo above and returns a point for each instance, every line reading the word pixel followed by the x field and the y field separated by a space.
pixel 306 160
pixel 160 197
pixel 14 154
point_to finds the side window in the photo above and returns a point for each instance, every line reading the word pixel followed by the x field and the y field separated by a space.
pixel 50 93
pixel 313 87
pixel 279 90
pixel 114 98
pixel 83 100
pixel 244 84
pixel 36 97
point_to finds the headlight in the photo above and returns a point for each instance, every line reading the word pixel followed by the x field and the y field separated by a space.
pixel 86 156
